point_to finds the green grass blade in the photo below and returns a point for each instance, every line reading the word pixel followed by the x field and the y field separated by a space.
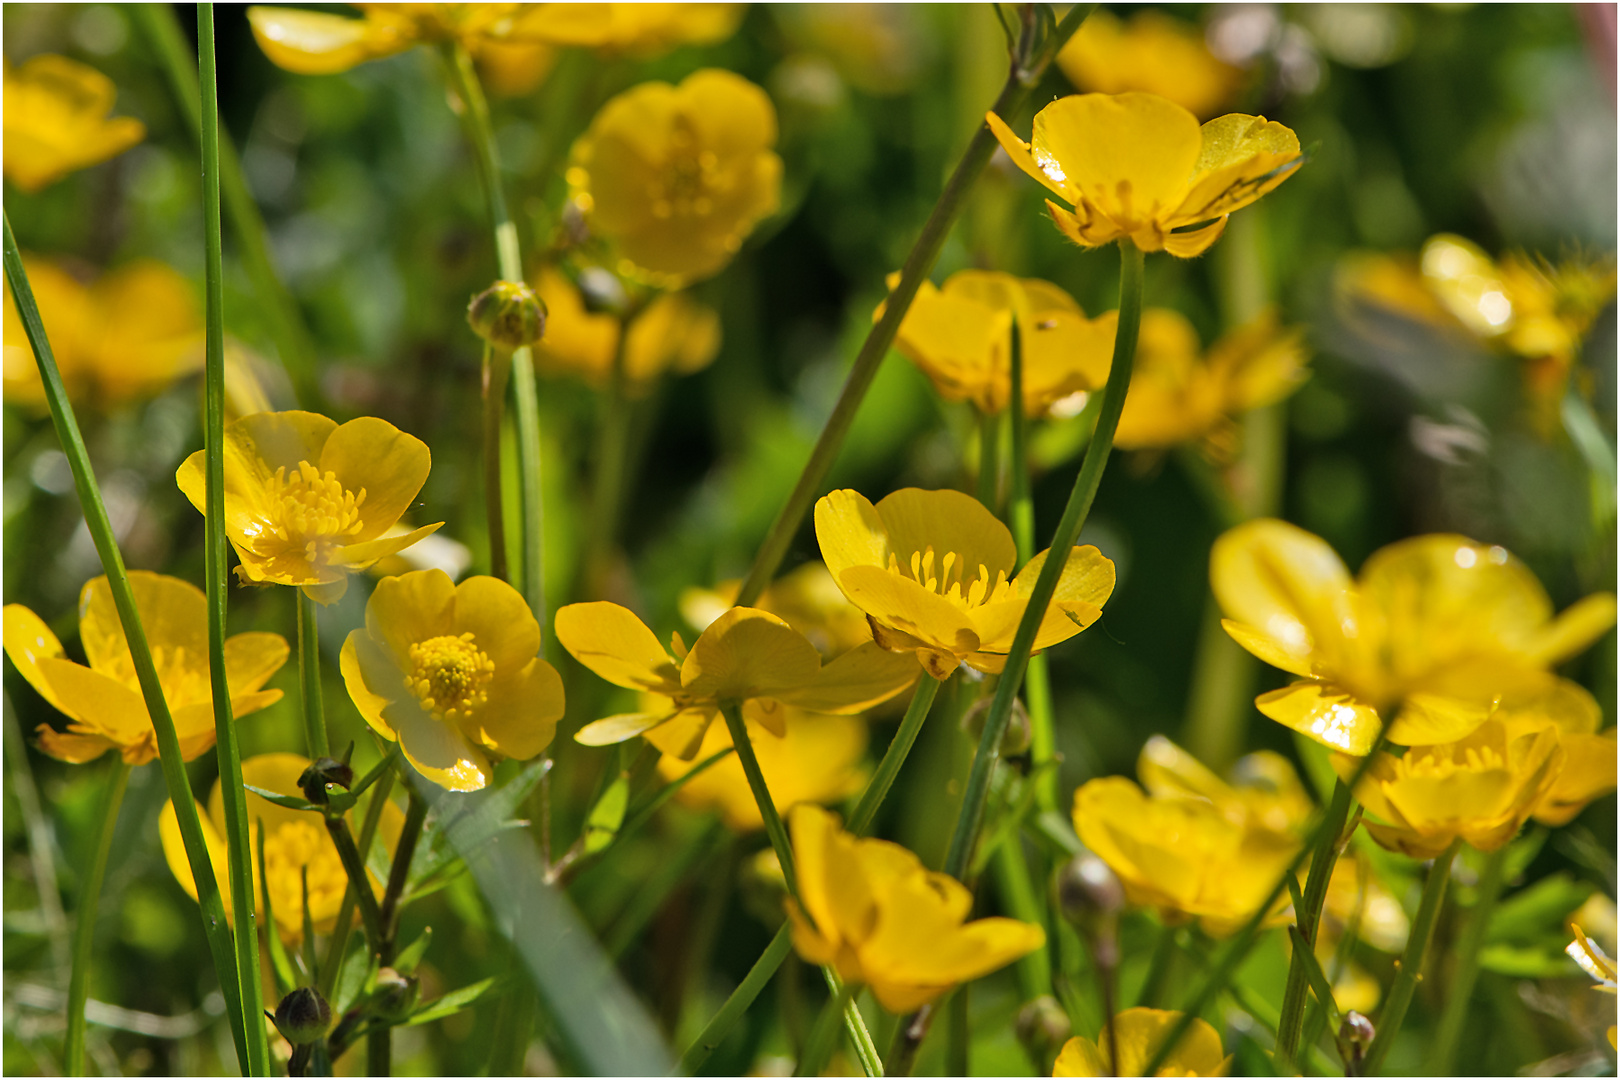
pixel 84 930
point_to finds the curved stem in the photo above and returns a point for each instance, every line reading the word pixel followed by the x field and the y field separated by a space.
pixel 1410 970
pixel 957 1035
pixel 1460 993
pixel 359 882
pixel 84 930
pixel 1025 72
pixel 774 828
pixel 1068 530
pixel 716 1030
pixel 922 699
pixel 1323 859
pixel 216 927
pixel 309 677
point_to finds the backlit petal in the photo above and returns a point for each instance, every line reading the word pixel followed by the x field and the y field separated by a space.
pixel 949 522
pixel 612 642
pixel 850 532
pixel 28 641
pixel 1129 155
pixel 317 43
pixel 1325 713
pixel 907 606
pixel 374 456
pixel 854 682
pixel 1284 583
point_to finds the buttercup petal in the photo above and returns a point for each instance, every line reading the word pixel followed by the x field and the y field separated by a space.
pixel 70 746
pixel 1194 242
pixel 28 641
pixel 373 678
pixel 866 675
pixel 409 608
pixel 1578 626
pixel 1129 155
pixel 850 532
pixel 317 43
pixel 616 729
pixel 612 642
pixel 1326 713
pixel 1240 159
pixel 748 653
pixel 362 555
pixel 98 701
pixel 1281 581
pixel 251 659
pixel 905 605
pixel 1018 150
pixel 499 620
pixel 949 522
pixel 520 718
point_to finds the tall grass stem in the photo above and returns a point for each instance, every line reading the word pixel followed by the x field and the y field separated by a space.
pixel 84 929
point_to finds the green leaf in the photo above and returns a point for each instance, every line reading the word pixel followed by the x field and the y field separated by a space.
pixel 607 815
pixel 291 802
pixel 475 819
pixel 453 1002
pixel 1526 962
pixel 411 955
pixel 1538 911
pixel 1313 974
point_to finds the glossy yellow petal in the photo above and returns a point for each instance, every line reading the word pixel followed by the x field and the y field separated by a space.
pixel 1018 150
pixel 1582 623
pixel 901 603
pixel 520 718
pixel 576 340
pixel 1086 226
pixel 100 702
pixel 1279 580
pixel 865 676
pixel 372 682
pixel 28 641
pixel 850 532
pixel 436 751
pixel 411 608
pixel 1080 1057
pixel 813 830
pixel 1426 719
pixel 612 642
pixel 1140 1032
pixel 1129 155
pixel 1165 769
pixel 1588 773
pixel 949 522
pixel 361 556
pixel 71 747
pixel 1324 712
pixel 1240 159
pixel 1153 52
pixel 1065 353
pixel 748 653
pixel 499 620
pixel 174 617
pixel 174 853
pixel 326 593
pixel 316 43
pixel 616 729
pixel 1191 243
pixel 56 120
pixel 681 731
pixel 1085 585
pixel 375 457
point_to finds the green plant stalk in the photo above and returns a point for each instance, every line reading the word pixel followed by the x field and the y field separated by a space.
pixel 338 944
pixel 496 370
pixel 957 1034
pixel 1292 1017
pixel 607 485
pixel 309 677
pixel 989 460
pixel 215 926
pixel 823 1039
pixel 1086 482
pixel 1410 970
pixel 239 846
pixel 716 1030
pixel 1014 883
pixel 359 882
pixel 1458 995
pixel 284 321
pixel 1024 73
pixel 464 82
pixel 84 929
pixel 380 1040
pixel 877 788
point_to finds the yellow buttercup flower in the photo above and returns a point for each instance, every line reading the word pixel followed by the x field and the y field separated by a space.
pixel 126 336
pixel 1139 167
pixel 677 176
pixel 452 674
pixel 747 656
pixel 307 500
pixel 1265 792
pixel 57 122
pixel 1185 857
pixel 638 30
pixel 1480 789
pixel 1178 395
pixel 296 844
pixel 960 335
pixel 1436 627
pixel 103 701
pixel 317 43
pixel 674 333
pixel 931 570
pixel 1152 52
pixel 1596 963
pixel 1574 715
pixel 876 915
pixel 817 760
pixel 1140 1031
pixel 807 599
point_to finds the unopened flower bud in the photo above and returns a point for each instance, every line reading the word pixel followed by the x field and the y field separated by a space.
pixel 303 1016
pixel 602 291
pixel 1091 897
pixel 394 996
pixel 1356 1034
pixel 1015 740
pixel 508 315
pixel 1043 1027
pixel 313 781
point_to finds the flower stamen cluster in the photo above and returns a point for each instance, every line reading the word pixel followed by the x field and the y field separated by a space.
pixel 315 513
pixel 450 676
pixel 979 592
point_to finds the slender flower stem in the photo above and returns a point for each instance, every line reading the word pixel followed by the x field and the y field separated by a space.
pixel 380 1040
pixel 496 369
pixel 215 926
pixel 338 944
pixel 1292 1017
pixel 1410 970
pixel 989 459
pixel 309 677
pixel 285 323
pixel 354 866
pixel 607 485
pixel 824 1035
pixel 957 1034
pixel 716 1030
pixel 1459 994
pixel 895 756
pixel 1027 66
pixel 1068 530
pixel 84 929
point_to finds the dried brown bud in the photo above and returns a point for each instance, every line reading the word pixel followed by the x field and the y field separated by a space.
pixel 1356 1034
pixel 1043 1027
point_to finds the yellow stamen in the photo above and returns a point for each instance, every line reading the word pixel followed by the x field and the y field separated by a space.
pixel 450 676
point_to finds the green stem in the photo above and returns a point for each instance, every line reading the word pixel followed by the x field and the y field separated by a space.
pixel 398 872
pixel 715 1032
pixel 1160 966
pixel 84 930
pixel 1068 530
pixel 895 756
pixel 989 459
pixel 497 368
pixel 612 453
pixel 1459 994
pixel 283 320
pixel 824 1035
pixel 908 1039
pixel 1292 1017
pixel 338 944
pixel 1410 970
pixel 216 927
pixel 239 846
pixel 309 677
pixel 1014 883
pixel 1025 71
pixel 957 1034
pixel 359 881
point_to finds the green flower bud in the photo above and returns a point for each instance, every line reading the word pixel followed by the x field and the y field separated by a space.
pixel 1355 1036
pixel 303 1016
pixel 1015 740
pixel 394 996
pixel 1043 1027
pixel 508 315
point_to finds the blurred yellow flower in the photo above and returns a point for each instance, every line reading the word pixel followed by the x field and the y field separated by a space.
pixel 817 759
pixel 807 599
pixel 931 570
pixel 452 674
pixel 1139 167
pixel 103 701
pixel 677 176
pixel 1153 52
pixel 511 69
pixel 56 121
pixel 1573 714
pixel 1480 789
pixel 307 500
pixel 295 843
pixel 1596 963
pixel 1140 1032
pixel 960 336
pixel 1178 395
pixel 1184 856
pixel 882 919
pixel 745 656
pixel 674 333
pixel 1265 792
pixel 318 43
pixel 638 30
pixel 1436 626
pixel 128 335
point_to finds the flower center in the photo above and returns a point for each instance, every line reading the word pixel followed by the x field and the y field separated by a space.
pixel 684 187
pixel 183 676
pixel 290 850
pixel 450 676
pixel 312 512
pixel 1475 759
pixel 948 582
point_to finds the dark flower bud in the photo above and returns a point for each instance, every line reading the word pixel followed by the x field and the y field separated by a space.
pixel 303 1016
pixel 313 781
pixel 508 315
pixel 1356 1034
pixel 394 996
pixel 1091 897
pixel 1015 740
pixel 1043 1027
